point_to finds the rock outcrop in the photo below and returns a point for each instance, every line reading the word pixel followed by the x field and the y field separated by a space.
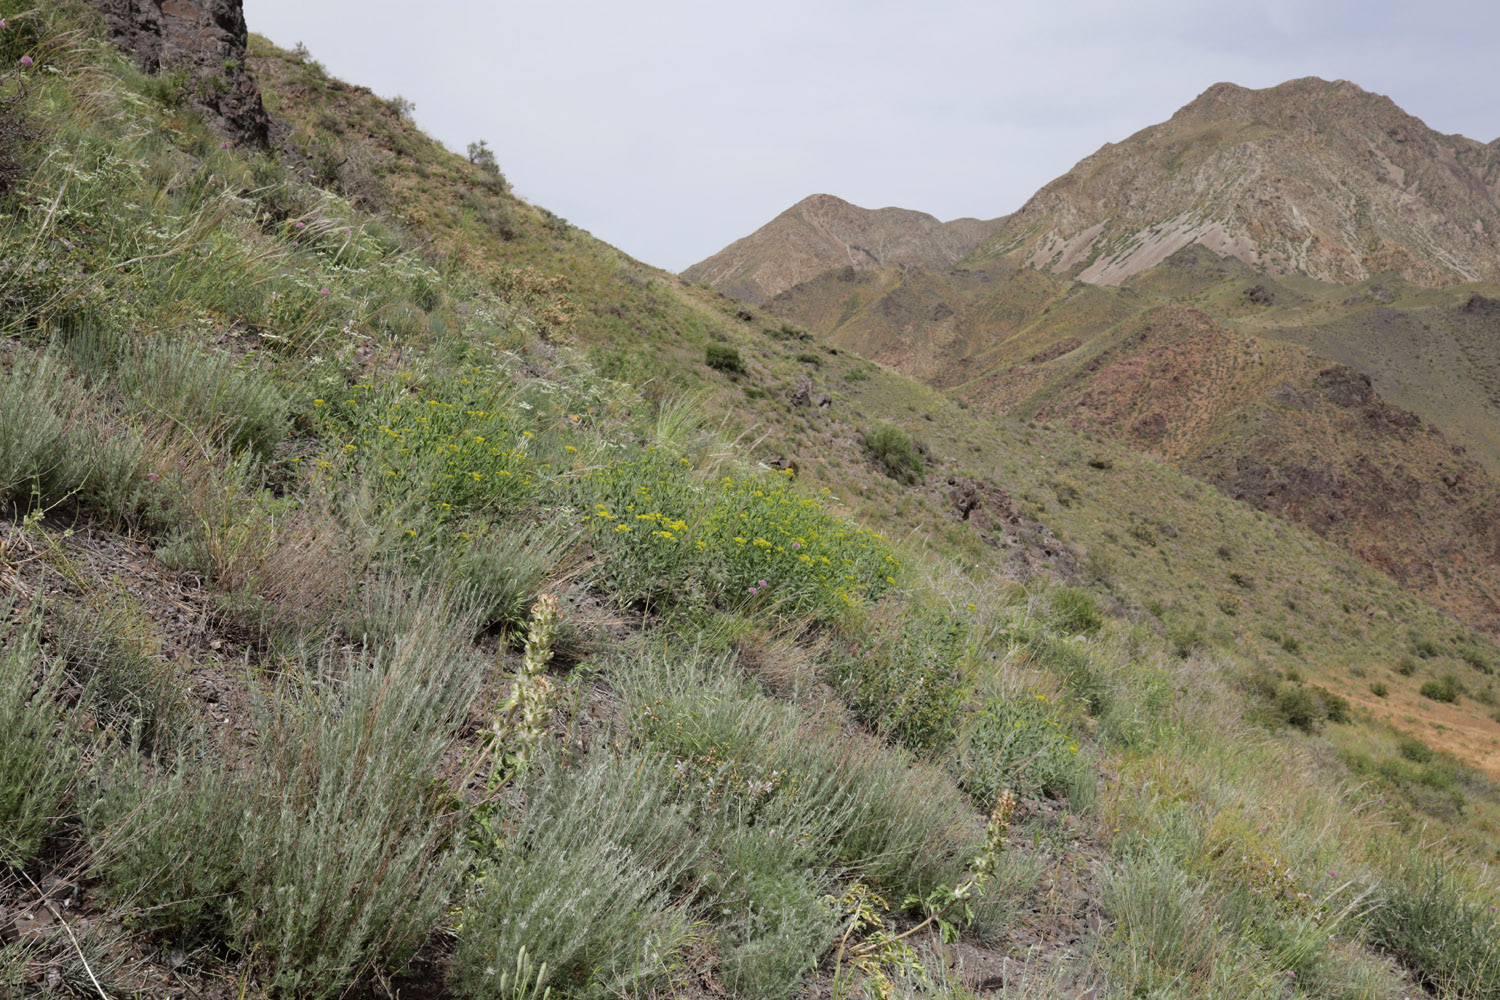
pixel 206 40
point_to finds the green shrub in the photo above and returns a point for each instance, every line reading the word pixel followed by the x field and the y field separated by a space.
pixel 328 855
pixel 1444 690
pixel 724 358
pixel 110 645
pixel 906 679
pixel 32 430
pixel 1414 750
pixel 732 543
pixel 461 447
pixel 1298 706
pixel 585 884
pixel 1379 690
pixel 1451 944
pixel 1426 647
pixel 505 568
pixel 870 811
pixel 1477 659
pixel 1406 666
pixel 208 392
pixel 37 760
pixel 894 453
pixel 1075 610
pixel 1018 743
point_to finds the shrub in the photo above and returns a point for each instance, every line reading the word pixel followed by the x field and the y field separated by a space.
pixel 734 543
pixel 233 406
pixel 37 759
pixel 894 453
pixel 724 358
pixel 19 136
pixel 505 568
pixel 873 811
pixel 1477 659
pixel 1444 690
pixel 1414 750
pixel 1298 706
pixel 585 884
pixel 1379 690
pixel 1426 647
pixel 1075 610
pixel 109 643
pixel 328 855
pixel 1018 743
pixel 1406 666
pixel 459 447
pixel 1447 941
pixel 906 679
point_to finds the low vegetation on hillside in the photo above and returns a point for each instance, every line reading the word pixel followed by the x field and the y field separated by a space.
pixel 376 624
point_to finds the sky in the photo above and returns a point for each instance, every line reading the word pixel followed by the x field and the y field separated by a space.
pixel 671 128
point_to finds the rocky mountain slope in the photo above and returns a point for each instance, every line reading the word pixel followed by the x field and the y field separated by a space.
pixel 823 232
pixel 1268 212
pixel 1309 177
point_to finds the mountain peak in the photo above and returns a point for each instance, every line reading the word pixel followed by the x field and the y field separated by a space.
pixel 823 232
pixel 1311 176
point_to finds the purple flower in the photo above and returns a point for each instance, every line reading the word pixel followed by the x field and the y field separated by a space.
pixel 26 61
pixel 295 243
pixel 301 225
pixel 323 291
pixel 796 545
pixel 761 583
pixel 753 591
pixel 2 24
pixel 224 145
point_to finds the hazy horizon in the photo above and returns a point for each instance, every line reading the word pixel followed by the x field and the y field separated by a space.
pixel 672 129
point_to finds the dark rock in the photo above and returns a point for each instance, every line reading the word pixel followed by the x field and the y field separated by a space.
pixel 1260 295
pixel 1057 350
pixel 1343 386
pixel 801 393
pixel 745 315
pixel 823 401
pixel 1478 305
pixel 204 38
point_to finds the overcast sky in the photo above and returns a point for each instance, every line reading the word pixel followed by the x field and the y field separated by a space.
pixel 670 128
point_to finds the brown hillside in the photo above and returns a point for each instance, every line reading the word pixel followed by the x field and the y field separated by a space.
pixel 822 233
pixel 1309 177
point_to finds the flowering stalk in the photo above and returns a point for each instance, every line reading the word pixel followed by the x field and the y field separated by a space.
pixel 944 900
pixel 525 715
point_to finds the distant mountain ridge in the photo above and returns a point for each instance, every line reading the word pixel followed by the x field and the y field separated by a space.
pixel 823 232
pixel 1309 177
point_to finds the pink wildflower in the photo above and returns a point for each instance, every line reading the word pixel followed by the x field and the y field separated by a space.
pixel 26 61
pixel 761 583
pixel 323 291
pixel 753 591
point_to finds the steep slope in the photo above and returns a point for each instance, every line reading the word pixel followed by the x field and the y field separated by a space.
pixel 823 232
pixel 306 464
pixel 1310 177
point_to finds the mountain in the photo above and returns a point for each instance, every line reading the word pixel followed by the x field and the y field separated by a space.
pixel 1309 177
pixel 405 593
pixel 823 232
pixel 1304 227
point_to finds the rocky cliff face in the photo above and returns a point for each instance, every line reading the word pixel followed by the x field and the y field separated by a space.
pixel 823 233
pixel 1310 177
pixel 204 38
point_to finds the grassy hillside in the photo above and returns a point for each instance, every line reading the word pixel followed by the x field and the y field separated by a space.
pixel 398 601
pixel 1229 374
